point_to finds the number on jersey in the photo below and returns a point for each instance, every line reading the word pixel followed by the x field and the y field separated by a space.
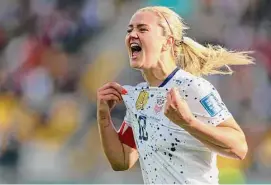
pixel 142 123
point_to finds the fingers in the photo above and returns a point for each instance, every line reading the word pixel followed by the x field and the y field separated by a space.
pixel 111 91
pixel 168 102
pixel 115 86
pixel 109 97
pixel 110 94
pixel 173 97
pixel 170 106
pixel 175 94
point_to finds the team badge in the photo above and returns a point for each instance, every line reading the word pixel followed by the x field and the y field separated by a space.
pixel 142 100
pixel 159 104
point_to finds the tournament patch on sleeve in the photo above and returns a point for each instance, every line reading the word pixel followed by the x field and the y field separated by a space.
pixel 211 104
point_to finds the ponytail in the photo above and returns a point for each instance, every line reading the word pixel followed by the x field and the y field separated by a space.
pixel 200 60
pixel 192 56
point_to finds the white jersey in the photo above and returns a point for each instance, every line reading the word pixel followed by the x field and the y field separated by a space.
pixel 167 153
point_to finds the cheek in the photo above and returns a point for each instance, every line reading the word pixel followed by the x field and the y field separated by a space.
pixel 126 41
pixel 155 45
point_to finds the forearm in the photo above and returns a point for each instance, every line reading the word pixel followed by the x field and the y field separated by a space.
pixel 112 146
pixel 225 152
pixel 225 140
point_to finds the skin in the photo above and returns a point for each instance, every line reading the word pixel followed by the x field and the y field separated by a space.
pixel 156 62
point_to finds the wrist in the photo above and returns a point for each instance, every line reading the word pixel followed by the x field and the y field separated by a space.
pixel 190 120
pixel 191 123
pixel 103 115
pixel 104 120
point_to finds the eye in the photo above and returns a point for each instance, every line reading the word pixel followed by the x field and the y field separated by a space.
pixel 143 29
pixel 129 30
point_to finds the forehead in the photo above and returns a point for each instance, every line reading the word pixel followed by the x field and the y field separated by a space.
pixel 144 17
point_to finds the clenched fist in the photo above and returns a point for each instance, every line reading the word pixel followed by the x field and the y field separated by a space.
pixel 176 109
pixel 108 96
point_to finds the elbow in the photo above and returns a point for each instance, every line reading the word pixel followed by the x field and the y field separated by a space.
pixel 241 152
pixel 118 167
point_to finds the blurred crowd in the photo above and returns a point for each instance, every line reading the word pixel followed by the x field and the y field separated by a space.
pixel 54 54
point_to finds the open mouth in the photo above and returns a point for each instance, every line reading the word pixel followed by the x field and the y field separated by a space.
pixel 135 49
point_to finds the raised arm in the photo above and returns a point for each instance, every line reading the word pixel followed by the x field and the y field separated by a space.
pixel 226 138
pixel 115 144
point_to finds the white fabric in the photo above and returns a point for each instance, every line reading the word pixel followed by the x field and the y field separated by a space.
pixel 167 153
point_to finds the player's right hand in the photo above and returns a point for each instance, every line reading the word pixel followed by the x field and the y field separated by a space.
pixel 108 96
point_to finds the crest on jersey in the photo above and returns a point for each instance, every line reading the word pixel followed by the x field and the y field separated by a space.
pixel 142 100
pixel 159 104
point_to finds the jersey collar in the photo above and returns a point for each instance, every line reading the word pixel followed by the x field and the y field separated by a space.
pixel 170 76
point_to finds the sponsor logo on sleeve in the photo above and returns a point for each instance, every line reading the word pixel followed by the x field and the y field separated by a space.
pixel 211 104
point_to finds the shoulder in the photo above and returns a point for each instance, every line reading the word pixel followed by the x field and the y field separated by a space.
pixel 194 86
pixel 204 99
pixel 200 86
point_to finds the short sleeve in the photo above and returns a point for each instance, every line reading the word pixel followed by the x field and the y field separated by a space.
pixel 205 102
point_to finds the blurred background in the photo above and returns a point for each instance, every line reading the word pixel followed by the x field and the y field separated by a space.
pixel 54 54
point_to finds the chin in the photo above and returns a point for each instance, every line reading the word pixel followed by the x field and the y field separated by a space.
pixel 136 64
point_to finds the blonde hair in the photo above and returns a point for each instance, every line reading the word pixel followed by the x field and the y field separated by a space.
pixel 192 56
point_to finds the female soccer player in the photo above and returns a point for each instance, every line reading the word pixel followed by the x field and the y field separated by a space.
pixel 176 122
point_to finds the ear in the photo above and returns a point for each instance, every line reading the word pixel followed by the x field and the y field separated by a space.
pixel 168 43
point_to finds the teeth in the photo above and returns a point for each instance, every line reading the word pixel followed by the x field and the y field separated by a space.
pixel 134 44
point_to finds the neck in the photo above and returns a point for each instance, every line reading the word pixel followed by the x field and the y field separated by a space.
pixel 156 75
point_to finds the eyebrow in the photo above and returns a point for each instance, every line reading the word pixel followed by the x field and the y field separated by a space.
pixel 139 25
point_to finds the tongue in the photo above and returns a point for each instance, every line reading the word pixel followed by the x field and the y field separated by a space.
pixel 135 53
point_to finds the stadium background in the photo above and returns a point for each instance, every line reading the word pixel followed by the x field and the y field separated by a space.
pixel 54 54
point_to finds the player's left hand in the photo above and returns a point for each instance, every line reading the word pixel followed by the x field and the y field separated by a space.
pixel 177 110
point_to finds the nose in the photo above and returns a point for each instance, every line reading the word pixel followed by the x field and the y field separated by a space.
pixel 133 34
